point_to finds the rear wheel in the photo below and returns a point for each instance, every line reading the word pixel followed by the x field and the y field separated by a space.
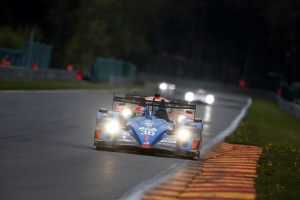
pixel 189 157
pixel 200 142
pixel 196 156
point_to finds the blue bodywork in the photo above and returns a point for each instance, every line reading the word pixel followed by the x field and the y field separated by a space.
pixel 148 132
pixel 153 129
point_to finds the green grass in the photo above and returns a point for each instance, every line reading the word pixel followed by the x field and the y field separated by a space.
pixel 278 133
pixel 52 85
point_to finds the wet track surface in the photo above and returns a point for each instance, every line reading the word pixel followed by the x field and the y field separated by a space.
pixel 46 140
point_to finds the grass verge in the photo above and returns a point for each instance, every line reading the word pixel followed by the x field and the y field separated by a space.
pixel 52 85
pixel 278 133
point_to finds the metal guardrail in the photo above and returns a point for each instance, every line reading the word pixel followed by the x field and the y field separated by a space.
pixel 287 106
pixel 25 73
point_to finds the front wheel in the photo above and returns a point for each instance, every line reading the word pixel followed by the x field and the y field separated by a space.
pixel 195 156
pixel 96 148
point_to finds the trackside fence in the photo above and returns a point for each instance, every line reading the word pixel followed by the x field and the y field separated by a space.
pixel 288 106
pixel 25 73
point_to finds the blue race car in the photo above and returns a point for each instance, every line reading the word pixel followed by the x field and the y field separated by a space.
pixel 153 124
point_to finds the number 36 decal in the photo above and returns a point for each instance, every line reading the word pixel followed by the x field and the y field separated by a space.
pixel 147 131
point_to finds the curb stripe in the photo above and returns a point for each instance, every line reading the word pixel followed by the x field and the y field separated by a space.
pixel 228 173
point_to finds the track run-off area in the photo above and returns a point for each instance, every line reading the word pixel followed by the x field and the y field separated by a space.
pixel 46 147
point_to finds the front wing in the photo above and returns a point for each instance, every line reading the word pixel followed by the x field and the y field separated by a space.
pixel 169 144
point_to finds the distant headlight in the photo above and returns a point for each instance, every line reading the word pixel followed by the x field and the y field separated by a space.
pixel 163 86
pixel 172 87
pixel 210 99
pixel 180 118
pixel 189 96
pixel 112 127
pixel 126 112
pixel 183 134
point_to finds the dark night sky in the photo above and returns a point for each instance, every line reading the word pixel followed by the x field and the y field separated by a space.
pixel 218 34
pixel 22 13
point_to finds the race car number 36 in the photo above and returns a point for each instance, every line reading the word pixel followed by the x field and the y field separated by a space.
pixel 147 131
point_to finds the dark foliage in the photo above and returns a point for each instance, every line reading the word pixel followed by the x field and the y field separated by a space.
pixel 222 39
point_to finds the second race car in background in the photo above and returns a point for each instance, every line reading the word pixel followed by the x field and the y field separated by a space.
pixel 199 96
pixel 166 88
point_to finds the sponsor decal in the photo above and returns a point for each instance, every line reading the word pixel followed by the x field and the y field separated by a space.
pixel 129 124
pixel 124 135
pixel 147 131
pixel 125 140
pixel 148 123
pixel 171 141
pixel 167 144
pixel 169 127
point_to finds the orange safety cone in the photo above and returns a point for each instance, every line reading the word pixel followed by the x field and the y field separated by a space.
pixel 34 66
pixel 279 90
pixel 70 67
pixel 242 83
pixel 79 74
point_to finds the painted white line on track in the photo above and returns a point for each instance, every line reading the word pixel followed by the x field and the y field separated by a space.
pixel 138 191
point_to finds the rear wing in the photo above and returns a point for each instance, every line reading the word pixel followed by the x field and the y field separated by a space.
pixel 140 100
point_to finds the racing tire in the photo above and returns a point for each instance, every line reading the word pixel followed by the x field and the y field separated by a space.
pixel 194 157
pixel 96 148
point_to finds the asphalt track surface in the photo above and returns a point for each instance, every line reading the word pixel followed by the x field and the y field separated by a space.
pixel 46 140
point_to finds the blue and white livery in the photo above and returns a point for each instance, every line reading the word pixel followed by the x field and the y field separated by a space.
pixel 152 124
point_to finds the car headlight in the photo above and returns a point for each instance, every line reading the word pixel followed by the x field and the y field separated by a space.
pixel 189 96
pixel 210 99
pixel 112 127
pixel 163 86
pixel 126 112
pixel 183 134
pixel 172 87
pixel 180 118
